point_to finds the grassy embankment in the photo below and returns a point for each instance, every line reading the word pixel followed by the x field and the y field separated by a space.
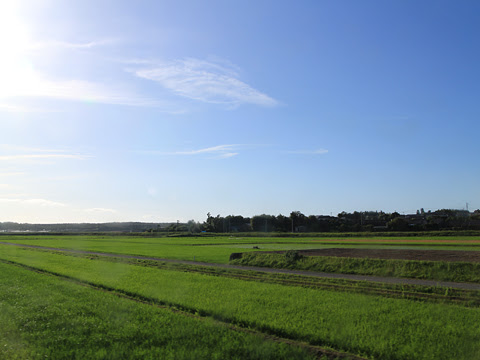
pixel 44 317
pixel 379 327
pixel 432 270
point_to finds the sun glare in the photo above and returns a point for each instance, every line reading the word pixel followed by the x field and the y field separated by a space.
pixel 16 73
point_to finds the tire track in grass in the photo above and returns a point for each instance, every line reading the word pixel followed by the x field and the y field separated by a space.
pixel 380 279
pixel 317 351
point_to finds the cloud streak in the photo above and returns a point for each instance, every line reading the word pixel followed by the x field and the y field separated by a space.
pixel 204 81
pixel 209 150
pixel 219 151
pixel 42 156
pixel 11 108
pixel 34 85
pixel 308 152
pixel 72 45
pixel 18 153
pixel 37 202
pixel 215 82
pixel 16 173
pixel 19 80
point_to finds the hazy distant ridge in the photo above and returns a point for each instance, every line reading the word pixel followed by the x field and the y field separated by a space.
pixel 84 227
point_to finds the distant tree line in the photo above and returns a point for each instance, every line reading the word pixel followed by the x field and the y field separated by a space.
pixel 365 221
pixel 80 227
pixel 296 222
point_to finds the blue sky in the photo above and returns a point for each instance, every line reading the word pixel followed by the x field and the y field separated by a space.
pixel 167 110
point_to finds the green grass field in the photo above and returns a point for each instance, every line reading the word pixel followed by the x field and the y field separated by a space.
pixel 45 317
pixel 376 322
pixel 374 326
pixel 218 249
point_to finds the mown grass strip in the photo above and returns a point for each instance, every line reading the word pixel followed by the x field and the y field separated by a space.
pixel 431 270
pixel 43 317
pixel 372 326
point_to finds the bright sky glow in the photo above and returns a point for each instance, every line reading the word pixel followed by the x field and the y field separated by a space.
pixel 164 111
pixel 15 73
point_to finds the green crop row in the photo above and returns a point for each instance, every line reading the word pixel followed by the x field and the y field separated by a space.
pixel 433 270
pixel 43 317
pixel 381 328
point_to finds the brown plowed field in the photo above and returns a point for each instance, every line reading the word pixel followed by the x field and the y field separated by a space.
pixel 430 255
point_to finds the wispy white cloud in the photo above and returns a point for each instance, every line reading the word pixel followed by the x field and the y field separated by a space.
pixel 42 156
pixel 11 195
pixel 16 173
pixel 61 178
pixel 43 202
pixel 210 82
pixel 15 108
pixel 215 81
pixel 227 155
pixel 219 151
pixel 72 45
pixel 35 202
pixel 20 81
pixel 74 90
pixel 10 147
pixel 308 152
pixel 19 153
pixel 214 149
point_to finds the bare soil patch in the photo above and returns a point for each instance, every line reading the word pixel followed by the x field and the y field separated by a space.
pixel 428 255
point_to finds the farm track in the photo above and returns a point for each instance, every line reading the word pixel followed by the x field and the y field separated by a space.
pixel 377 279
pixel 317 351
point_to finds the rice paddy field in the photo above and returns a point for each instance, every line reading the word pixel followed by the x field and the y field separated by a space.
pixel 64 305
pixel 218 249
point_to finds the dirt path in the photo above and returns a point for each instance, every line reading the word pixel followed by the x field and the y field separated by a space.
pixel 389 280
